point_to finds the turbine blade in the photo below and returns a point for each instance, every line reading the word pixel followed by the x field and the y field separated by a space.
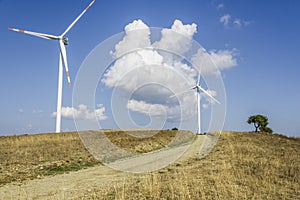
pixel 199 71
pixel 71 25
pixel 41 35
pixel 198 80
pixel 208 94
pixel 64 58
pixel 180 93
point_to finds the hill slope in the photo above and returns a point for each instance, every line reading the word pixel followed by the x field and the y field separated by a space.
pixel 241 166
pixel 29 157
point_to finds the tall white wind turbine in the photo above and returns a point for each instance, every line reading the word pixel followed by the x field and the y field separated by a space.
pixel 198 89
pixel 63 41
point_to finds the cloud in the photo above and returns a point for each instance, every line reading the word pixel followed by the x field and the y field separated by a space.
pixel 173 112
pixel 21 110
pixel 247 23
pixel 224 59
pixel 237 22
pixel 178 38
pixel 207 98
pixel 146 108
pixel 227 22
pixel 143 61
pixel 212 61
pixel 151 73
pixel 225 19
pixel 136 36
pixel 83 113
pixel 116 76
pixel 231 22
pixel 187 30
pixel 220 6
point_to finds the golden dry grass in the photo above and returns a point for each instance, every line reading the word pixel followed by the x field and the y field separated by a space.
pixel 33 156
pixel 241 166
pixel 151 139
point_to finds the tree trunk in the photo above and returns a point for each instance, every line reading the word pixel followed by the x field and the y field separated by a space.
pixel 256 127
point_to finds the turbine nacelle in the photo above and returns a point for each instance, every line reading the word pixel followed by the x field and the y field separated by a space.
pixel 197 87
pixel 65 40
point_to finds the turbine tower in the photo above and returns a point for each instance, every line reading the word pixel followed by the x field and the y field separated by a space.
pixel 63 41
pixel 198 89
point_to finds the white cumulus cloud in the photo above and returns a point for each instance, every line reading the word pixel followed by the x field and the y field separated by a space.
pixel 82 112
pixel 178 38
pixel 136 36
pixel 224 59
pixel 116 76
pixel 146 108
pixel 153 63
pixel 212 61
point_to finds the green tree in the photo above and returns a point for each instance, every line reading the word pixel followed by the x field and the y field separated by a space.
pixel 266 129
pixel 260 123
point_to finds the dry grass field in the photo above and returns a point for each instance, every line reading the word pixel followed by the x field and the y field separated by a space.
pixel 241 166
pixel 34 156
pixel 149 140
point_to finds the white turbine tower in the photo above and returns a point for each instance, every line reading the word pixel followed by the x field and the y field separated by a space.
pixel 198 89
pixel 62 60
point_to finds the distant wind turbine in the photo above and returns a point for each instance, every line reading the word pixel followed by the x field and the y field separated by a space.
pixel 62 60
pixel 198 89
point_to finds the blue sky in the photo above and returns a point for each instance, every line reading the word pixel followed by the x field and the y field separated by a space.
pixel 264 35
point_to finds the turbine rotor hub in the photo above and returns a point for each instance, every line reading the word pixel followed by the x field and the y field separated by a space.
pixel 65 40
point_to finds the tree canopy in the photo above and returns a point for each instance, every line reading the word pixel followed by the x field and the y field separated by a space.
pixel 260 123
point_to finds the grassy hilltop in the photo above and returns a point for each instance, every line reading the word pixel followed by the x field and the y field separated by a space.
pixel 241 166
pixel 33 156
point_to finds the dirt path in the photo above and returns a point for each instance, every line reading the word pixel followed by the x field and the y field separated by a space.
pixel 72 184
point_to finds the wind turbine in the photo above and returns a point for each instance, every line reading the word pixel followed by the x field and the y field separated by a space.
pixel 198 89
pixel 63 41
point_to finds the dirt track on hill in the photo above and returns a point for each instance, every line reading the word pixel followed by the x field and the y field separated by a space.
pixel 75 183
